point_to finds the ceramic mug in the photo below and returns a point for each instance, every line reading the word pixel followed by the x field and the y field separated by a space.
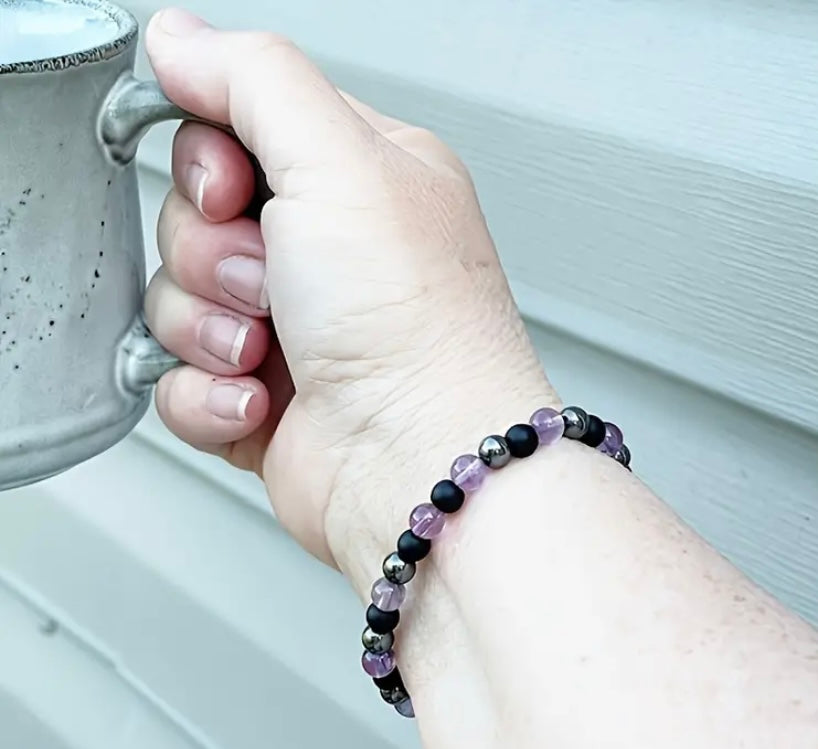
pixel 77 362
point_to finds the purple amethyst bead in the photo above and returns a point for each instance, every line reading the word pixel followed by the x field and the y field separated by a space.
pixel 613 439
pixel 378 665
pixel 405 708
pixel 549 425
pixel 469 472
pixel 426 521
pixel 388 596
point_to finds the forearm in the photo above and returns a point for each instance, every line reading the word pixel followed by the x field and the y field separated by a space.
pixel 565 605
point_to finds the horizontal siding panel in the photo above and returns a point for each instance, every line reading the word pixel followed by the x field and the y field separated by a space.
pixel 649 175
pixel 730 82
pixel 55 694
pixel 679 229
pixel 181 588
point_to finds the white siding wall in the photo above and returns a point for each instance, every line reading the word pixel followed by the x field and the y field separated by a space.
pixel 651 176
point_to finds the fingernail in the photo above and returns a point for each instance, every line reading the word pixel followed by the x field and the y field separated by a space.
pixel 196 176
pixel 229 401
pixel 224 337
pixel 178 22
pixel 245 278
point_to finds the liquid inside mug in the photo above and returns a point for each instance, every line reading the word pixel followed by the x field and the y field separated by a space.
pixel 77 362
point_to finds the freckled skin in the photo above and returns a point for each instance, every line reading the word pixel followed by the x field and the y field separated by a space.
pixel 565 605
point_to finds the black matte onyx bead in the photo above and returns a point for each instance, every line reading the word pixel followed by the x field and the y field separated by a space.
pixel 394 696
pixel 411 548
pixel 595 433
pixel 447 496
pixel 391 681
pixel 381 622
pixel 522 440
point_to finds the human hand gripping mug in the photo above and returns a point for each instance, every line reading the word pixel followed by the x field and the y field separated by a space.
pixel 77 362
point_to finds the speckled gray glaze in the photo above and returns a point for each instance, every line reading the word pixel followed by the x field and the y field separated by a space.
pixel 76 361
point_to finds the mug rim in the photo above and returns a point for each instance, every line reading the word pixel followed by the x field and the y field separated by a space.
pixel 127 31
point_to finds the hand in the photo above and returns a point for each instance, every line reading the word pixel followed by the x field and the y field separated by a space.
pixel 396 342
pixel 568 589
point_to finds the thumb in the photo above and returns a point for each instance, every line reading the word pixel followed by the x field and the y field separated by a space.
pixel 278 102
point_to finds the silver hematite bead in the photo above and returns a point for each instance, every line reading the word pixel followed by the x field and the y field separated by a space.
pixel 377 643
pixel 576 422
pixel 623 456
pixel 394 696
pixel 396 570
pixel 494 452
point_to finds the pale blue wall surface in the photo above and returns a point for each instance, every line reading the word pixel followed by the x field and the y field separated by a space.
pixel 650 174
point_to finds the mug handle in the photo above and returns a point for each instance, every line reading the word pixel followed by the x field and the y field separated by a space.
pixel 130 109
pixel 128 112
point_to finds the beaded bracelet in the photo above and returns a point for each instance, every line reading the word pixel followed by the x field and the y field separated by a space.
pixel 546 426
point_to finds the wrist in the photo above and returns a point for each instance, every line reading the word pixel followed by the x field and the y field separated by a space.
pixel 439 652
pixel 394 465
pixel 438 614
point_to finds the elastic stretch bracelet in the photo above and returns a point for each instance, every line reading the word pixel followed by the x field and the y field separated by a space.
pixel 546 426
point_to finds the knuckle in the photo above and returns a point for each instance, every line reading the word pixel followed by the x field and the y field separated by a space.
pixel 168 222
pixel 153 294
pixel 424 142
pixel 267 45
pixel 174 400
pixel 182 133
pixel 171 240
pixel 446 154
pixel 160 396
pixel 165 209
pixel 424 136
